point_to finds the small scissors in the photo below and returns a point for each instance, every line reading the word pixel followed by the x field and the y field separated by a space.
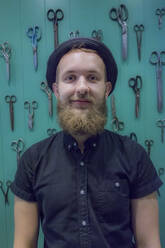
pixel 136 85
pixel 116 124
pixel 121 15
pixel 133 136
pixel 31 107
pixel 160 13
pixel 8 184
pixel 51 131
pixel 161 124
pixel 74 34
pixel 11 100
pixel 18 147
pixel 149 143
pixel 98 35
pixel 47 90
pixel 161 171
pixel 55 17
pixel 158 59
pixel 139 30
pixel 5 52
pixel 34 33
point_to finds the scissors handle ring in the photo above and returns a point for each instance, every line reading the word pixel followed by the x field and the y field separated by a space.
pixel 11 98
pixel 34 104
pixel 138 28
pixel 113 14
pixel 27 105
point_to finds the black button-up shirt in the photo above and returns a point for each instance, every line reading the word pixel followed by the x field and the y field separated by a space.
pixel 84 199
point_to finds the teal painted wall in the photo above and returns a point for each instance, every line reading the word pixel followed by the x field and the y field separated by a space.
pixel 15 17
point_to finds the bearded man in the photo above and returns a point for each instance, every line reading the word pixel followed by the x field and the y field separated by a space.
pixel 89 187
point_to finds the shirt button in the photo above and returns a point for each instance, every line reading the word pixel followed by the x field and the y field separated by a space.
pixel 74 144
pixel 82 163
pixel 94 144
pixel 117 184
pixel 69 147
pixel 84 223
pixel 82 192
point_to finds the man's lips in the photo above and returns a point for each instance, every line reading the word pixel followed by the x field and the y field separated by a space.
pixel 80 102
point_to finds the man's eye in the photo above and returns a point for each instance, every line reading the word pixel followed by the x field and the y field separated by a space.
pixel 70 78
pixel 92 78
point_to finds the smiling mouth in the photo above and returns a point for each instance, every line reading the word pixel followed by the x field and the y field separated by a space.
pixel 80 103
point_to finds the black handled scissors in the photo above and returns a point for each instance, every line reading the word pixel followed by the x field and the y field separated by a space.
pixel 160 13
pixel 18 147
pixel 55 17
pixel 97 34
pixel 74 34
pixel 116 124
pixel 149 143
pixel 133 136
pixel 44 86
pixel 11 100
pixel 161 124
pixel 136 85
pixel 139 30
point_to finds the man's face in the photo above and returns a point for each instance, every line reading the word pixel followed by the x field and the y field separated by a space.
pixel 81 88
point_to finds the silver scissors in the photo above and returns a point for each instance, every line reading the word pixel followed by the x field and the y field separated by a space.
pixel 34 33
pixel 121 15
pixel 149 143
pixel 97 34
pixel 158 59
pixel 51 131
pixel 5 52
pixel 11 100
pixel 160 13
pixel 116 124
pixel 139 30
pixel 44 86
pixel 136 85
pixel 18 146
pixel 161 124
pixel 31 107
pixel 74 34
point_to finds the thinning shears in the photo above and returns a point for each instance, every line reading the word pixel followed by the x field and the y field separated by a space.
pixel 139 30
pixel 18 147
pixel 44 86
pixel 55 17
pixel 136 85
pixel 5 52
pixel 160 13
pixel 158 59
pixel 116 124
pixel 34 33
pixel 121 15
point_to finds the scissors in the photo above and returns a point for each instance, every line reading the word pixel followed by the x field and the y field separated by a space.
pixel 8 184
pixel 5 52
pixel 121 15
pixel 51 131
pixel 74 34
pixel 149 143
pixel 161 171
pixel 139 30
pixel 55 17
pixel 98 35
pixel 11 100
pixel 160 13
pixel 136 85
pixel 18 147
pixel 44 86
pixel 161 124
pixel 158 59
pixel 34 33
pixel 133 136
pixel 31 107
pixel 116 124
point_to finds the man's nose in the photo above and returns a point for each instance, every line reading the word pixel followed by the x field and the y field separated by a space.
pixel 82 86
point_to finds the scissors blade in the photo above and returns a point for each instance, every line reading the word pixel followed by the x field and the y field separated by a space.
pixel 8 70
pixel 159 88
pixel 11 115
pixel 50 105
pixel 124 40
pixel 35 59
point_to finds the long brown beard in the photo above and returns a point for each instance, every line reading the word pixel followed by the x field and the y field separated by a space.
pixel 91 122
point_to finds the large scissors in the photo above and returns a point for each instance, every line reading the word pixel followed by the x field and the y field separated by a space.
pixel 18 147
pixel 160 13
pixel 34 33
pixel 149 143
pixel 121 15
pixel 136 85
pixel 161 124
pixel 139 30
pixel 158 59
pixel 55 17
pixel 31 107
pixel 11 100
pixel 116 124
pixel 97 34
pixel 47 90
pixel 5 52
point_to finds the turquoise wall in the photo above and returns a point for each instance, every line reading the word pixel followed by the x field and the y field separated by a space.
pixel 15 17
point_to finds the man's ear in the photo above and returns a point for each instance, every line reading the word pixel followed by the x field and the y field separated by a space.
pixel 55 89
pixel 108 88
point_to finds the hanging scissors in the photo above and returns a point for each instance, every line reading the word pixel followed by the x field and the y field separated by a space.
pixel 133 136
pixel 160 13
pixel 55 17
pixel 136 85
pixel 149 143
pixel 158 59
pixel 161 124
pixel 31 107
pixel 116 124
pixel 74 34
pixel 34 33
pixel 44 86
pixel 51 131
pixel 121 15
pixel 97 34
pixel 139 30
pixel 11 100
pixel 18 147
pixel 5 52
pixel 5 194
